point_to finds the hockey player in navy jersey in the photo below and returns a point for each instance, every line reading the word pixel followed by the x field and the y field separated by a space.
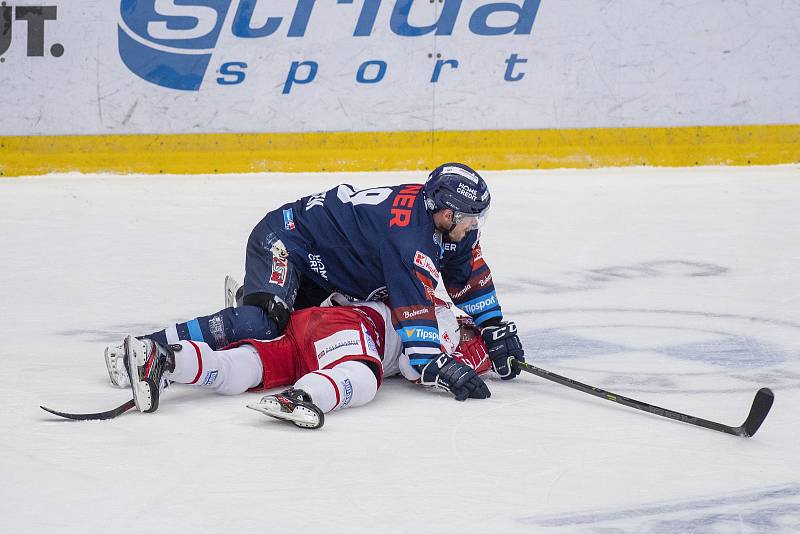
pixel 385 242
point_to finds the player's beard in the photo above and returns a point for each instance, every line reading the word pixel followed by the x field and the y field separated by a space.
pixel 450 238
pixel 447 234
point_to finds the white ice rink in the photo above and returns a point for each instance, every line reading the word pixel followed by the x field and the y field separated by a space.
pixel 678 287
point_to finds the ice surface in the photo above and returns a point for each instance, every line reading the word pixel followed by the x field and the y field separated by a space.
pixel 679 287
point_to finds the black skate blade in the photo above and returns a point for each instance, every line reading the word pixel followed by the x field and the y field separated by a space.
pixel 99 416
pixel 758 412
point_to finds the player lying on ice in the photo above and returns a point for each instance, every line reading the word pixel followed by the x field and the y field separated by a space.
pixel 334 357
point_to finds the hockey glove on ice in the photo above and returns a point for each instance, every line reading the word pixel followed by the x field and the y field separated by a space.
pixel 459 379
pixel 503 344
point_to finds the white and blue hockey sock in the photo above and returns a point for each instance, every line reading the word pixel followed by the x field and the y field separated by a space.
pixel 345 385
pixel 227 372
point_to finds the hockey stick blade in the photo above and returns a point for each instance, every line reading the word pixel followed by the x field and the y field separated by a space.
pixel 758 412
pixel 100 416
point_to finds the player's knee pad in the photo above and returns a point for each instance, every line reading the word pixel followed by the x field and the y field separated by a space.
pixel 275 308
pixel 249 322
pixel 348 384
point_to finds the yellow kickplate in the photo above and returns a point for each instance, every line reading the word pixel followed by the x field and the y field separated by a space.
pixel 386 151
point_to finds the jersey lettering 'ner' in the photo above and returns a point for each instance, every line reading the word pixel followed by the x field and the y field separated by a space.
pixel 381 241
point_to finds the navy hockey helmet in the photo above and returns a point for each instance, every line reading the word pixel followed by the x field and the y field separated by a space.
pixel 459 188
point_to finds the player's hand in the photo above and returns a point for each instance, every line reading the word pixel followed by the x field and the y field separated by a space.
pixel 503 345
pixel 459 379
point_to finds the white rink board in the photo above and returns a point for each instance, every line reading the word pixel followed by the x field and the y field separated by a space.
pixel 678 287
pixel 564 64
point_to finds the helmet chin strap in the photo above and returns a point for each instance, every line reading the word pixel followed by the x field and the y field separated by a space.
pixel 455 223
pixel 449 230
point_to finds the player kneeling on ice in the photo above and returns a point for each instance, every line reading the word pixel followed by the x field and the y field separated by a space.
pixel 393 242
pixel 333 357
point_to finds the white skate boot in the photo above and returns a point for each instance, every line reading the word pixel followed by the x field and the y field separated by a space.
pixel 293 405
pixel 233 293
pixel 116 365
pixel 147 361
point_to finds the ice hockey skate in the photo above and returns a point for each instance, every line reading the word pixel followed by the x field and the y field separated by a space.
pixel 291 405
pixel 233 292
pixel 115 364
pixel 146 362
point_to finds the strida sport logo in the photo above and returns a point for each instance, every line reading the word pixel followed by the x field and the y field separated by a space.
pixel 171 43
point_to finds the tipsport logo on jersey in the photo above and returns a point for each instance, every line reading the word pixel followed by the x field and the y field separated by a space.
pixel 172 43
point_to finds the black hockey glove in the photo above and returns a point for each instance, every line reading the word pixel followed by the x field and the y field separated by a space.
pixel 459 379
pixel 503 344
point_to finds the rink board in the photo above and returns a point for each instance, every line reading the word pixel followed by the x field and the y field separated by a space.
pixel 212 86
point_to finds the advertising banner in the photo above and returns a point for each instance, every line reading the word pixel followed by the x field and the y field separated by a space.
pixel 98 67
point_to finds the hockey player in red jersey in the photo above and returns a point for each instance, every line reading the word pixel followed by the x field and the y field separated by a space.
pixel 333 357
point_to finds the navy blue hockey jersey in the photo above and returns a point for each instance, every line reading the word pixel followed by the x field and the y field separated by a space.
pixel 380 242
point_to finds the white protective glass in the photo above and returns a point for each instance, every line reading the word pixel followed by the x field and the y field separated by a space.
pixel 477 220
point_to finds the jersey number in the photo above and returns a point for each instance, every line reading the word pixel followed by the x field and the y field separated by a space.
pixel 371 197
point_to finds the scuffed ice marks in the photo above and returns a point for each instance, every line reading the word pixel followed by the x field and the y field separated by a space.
pixel 723 349
pixel 113 332
pixel 554 344
pixel 600 278
pixel 730 350
pixel 670 351
pixel 768 510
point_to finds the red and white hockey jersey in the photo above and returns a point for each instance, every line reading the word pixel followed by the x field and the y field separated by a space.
pixel 340 331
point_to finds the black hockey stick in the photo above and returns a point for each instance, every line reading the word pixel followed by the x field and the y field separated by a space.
pixel 758 412
pixel 100 416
